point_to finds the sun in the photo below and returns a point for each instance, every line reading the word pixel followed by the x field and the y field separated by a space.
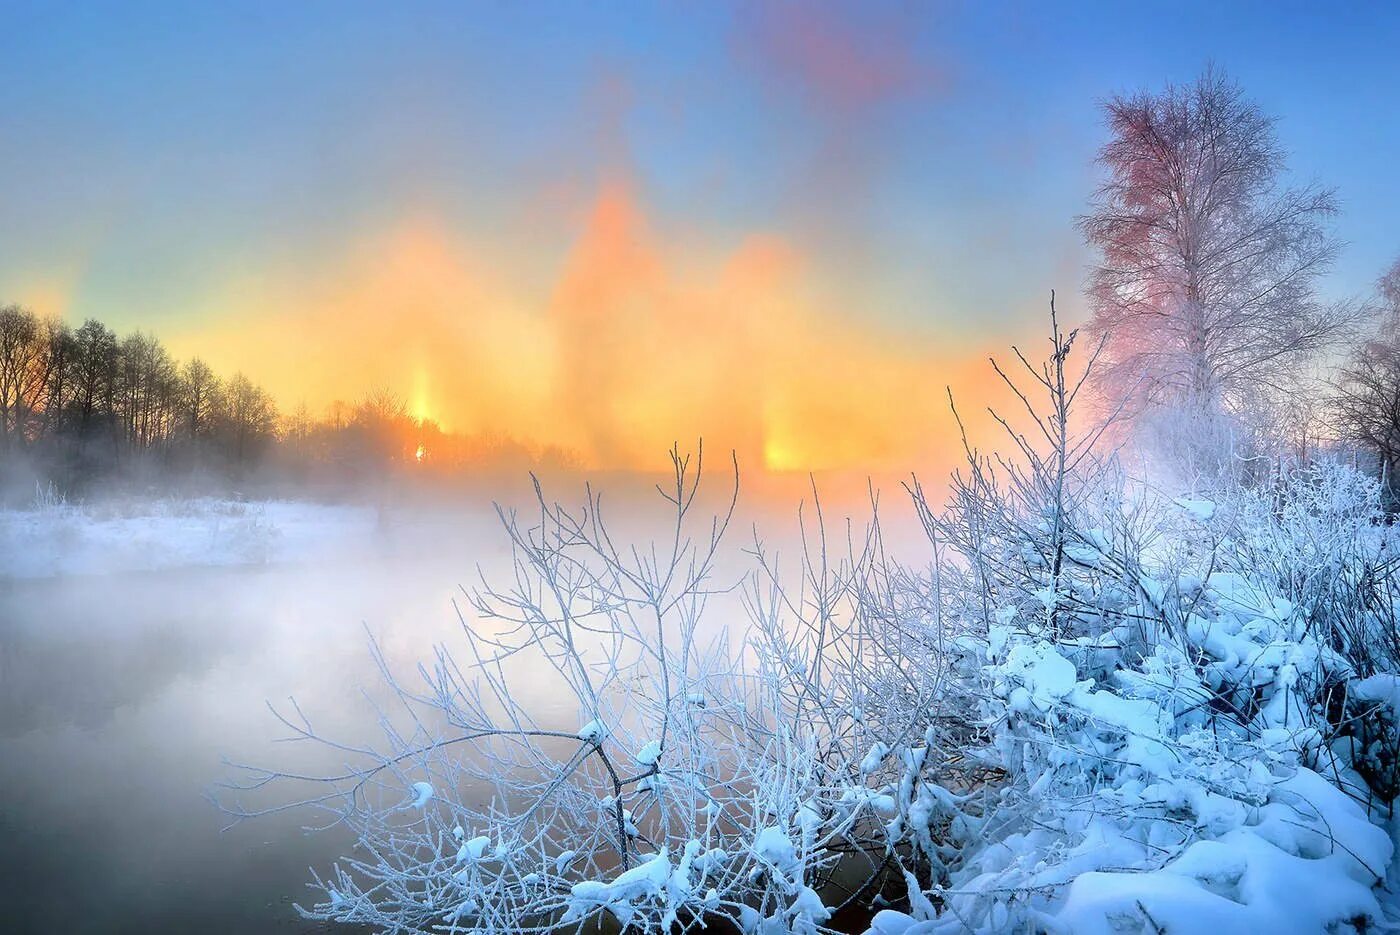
pixel 418 455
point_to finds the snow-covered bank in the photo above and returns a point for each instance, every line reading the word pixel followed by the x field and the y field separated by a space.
pixel 150 535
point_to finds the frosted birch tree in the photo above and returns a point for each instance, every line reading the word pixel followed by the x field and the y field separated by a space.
pixel 1207 261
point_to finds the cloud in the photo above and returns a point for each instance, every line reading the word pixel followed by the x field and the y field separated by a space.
pixel 844 74
pixel 843 62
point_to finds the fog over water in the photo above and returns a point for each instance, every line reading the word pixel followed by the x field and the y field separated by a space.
pixel 123 689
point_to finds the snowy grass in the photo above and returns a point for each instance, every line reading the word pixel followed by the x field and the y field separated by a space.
pixel 55 538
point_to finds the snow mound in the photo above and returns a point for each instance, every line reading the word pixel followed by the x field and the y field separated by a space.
pixel 1198 509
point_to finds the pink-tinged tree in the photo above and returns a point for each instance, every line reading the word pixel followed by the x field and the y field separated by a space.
pixel 1388 294
pixel 1204 285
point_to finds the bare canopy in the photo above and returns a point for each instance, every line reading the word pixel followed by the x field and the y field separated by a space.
pixel 1204 286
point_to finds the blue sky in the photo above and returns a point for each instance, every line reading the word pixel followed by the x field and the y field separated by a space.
pixel 152 154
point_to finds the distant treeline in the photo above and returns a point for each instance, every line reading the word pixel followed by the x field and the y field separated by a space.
pixel 82 407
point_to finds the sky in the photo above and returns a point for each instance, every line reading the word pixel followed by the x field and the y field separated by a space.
pixel 606 226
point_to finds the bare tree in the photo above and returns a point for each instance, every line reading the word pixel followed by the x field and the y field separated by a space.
pixel 963 744
pixel 250 415
pixel 1204 287
pixel 145 380
pixel 380 430
pixel 200 397
pixel 55 377
pixel 1388 290
pixel 94 373
pixel 19 347
pixel 1367 401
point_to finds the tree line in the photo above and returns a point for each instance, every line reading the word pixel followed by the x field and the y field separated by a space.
pixel 86 400
pixel 82 406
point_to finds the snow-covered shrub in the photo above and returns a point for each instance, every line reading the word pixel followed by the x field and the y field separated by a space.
pixel 1172 697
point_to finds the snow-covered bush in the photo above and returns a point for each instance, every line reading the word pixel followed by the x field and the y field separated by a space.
pixel 1182 696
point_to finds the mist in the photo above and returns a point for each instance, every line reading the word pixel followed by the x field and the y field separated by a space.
pixel 142 639
pixel 762 468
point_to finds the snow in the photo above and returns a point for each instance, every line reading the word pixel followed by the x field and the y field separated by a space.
pixel 1087 555
pixel 1166 733
pixel 873 759
pixel 808 905
pixel 1198 509
pixel 649 754
pixel 1042 674
pixel 1239 883
pixel 1382 690
pixel 1135 806
pixel 158 534
pixel 422 793
pixel 473 849
pixel 650 879
pixel 774 846
pixel 891 922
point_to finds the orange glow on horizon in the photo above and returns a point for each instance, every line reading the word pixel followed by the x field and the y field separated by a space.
pixel 418 407
pixel 635 346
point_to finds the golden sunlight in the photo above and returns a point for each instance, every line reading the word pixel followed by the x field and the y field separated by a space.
pixel 418 408
pixel 636 346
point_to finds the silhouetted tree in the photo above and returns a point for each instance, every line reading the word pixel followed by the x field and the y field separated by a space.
pixel 1367 402
pixel 88 405
pixel 146 391
pixel 250 417
pixel 94 370
pixel 200 399
pixel 19 345
pixel 61 349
